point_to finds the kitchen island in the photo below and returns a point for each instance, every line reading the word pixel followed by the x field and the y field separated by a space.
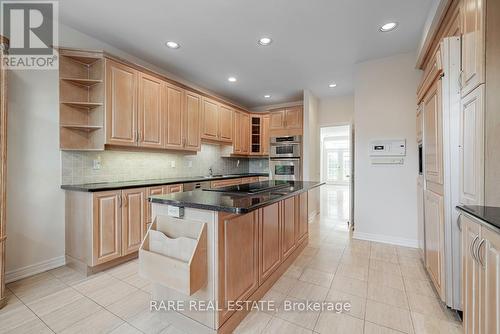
pixel 225 250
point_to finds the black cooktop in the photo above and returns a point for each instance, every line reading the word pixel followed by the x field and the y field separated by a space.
pixel 253 188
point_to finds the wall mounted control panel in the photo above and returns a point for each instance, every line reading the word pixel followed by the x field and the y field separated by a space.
pixel 388 148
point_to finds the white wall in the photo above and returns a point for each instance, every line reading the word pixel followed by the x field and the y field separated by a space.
pixel 336 110
pixel 384 108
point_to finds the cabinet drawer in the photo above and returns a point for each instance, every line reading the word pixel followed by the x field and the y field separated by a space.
pixel 225 183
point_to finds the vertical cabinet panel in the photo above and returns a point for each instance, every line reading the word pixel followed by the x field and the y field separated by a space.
pixel 270 240
pixel 265 135
pixel 238 259
pixel 434 237
pixel 433 143
pixel 133 219
pixel 470 276
pixel 473 44
pixel 192 121
pixel 151 115
pixel 472 148
pixel 121 104
pixel 245 133
pixel 289 228
pixel 210 124
pixel 226 123
pixel 490 283
pixel 420 125
pixel 106 229
pixel 237 133
pixel 174 97
pixel 302 217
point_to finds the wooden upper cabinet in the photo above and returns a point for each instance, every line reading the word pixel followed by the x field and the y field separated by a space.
pixel 277 120
pixel 210 124
pixel 238 270
pixel 226 123
pixel 133 219
pixel 470 276
pixel 192 116
pixel 106 229
pixel 264 140
pixel 270 240
pixel 433 129
pixel 489 255
pixel 293 118
pixel 121 104
pixel 151 114
pixel 289 227
pixel 471 169
pixel 174 101
pixel 473 44
pixel 237 133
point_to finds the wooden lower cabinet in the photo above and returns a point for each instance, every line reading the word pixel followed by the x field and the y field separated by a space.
pixel 269 240
pixel 302 220
pixel 289 227
pixel 106 228
pixel 238 259
pixel 151 191
pixel 480 277
pixel 133 219
pixel 434 238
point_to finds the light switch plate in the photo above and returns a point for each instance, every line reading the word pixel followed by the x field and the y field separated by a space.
pixel 172 163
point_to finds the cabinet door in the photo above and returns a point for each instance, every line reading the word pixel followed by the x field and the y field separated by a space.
pixel 175 188
pixel 174 97
pixel 270 240
pixel 473 44
pixel 245 134
pixel 420 125
pixel 237 133
pixel 121 104
pixel 302 216
pixel 133 219
pixel 151 191
pixel 293 118
pixel 192 120
pixel 238 259
pixel 472 148
pixel 289 226
pixel 420 214
pixel 226 123
pixel 433 143
pixel 264 139
pixel 490 282
pixel 210 126
pixel 470 275
pixel 434 237
pixel 277 120
pixel 106 227
pixel 151 114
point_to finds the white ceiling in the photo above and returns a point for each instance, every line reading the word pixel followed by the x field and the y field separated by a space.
pixel 315 42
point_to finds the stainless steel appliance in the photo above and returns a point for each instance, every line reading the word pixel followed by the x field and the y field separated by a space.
pixel 285 169
pixel 286 147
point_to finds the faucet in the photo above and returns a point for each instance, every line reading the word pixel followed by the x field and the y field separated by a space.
pixel 210 171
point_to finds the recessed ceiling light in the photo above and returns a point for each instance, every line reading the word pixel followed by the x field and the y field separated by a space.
pixel 388 26
pixel 267 96
pixel 332 85
pixel 264 41
pixel 231 79
pixel 173 45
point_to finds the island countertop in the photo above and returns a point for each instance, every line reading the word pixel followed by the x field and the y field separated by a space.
pixel 235 199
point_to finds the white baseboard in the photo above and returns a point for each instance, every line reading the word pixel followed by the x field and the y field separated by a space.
pixel 386 239
pixel 17 274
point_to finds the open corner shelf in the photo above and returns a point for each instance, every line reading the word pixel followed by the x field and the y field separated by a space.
pixel 83 59
pixel 83 105
pixel 82 82
pixel 82 127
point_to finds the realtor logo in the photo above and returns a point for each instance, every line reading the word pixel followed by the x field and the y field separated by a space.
pixel 32 30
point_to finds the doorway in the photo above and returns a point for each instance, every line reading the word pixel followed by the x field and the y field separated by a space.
pixel 336 172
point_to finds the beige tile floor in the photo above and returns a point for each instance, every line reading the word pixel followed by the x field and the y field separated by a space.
pixel 387 288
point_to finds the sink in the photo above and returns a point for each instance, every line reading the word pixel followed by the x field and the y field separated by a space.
pixel 212 176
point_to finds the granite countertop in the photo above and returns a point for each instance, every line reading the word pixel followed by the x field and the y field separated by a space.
pixel 234 201
pixel 488 214
pixel 92 187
